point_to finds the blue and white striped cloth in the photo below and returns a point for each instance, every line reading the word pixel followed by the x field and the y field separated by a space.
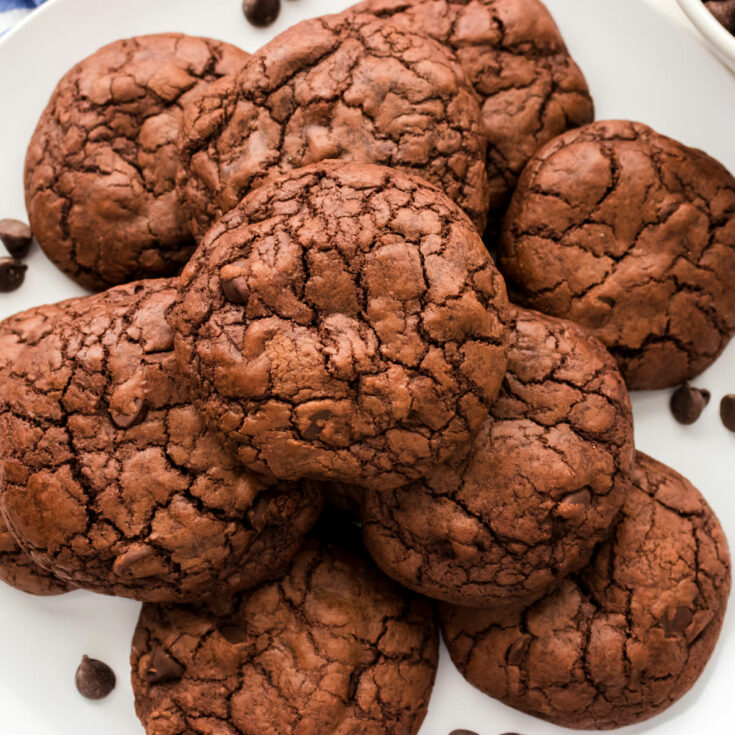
pixel 11 11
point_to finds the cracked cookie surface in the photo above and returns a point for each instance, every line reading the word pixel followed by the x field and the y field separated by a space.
pixel 101 166
pixel 626 638
pixel 16 567
pixel 515 58
pixel 348 87
pixel 539 489
pixel 344 323
pixel 110 478
pixel 632 235
pixel 333 648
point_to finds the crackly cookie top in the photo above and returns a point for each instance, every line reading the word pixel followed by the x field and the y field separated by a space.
pixel 515 58
pixel 626 638
pixel 16 567
pixel 348 87
pixel 101 166
pixel 333 647
pixel 632 235
pixel 344 323
pixel 110 479
pixel 539 489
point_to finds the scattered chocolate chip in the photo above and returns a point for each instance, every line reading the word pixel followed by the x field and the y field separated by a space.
pixel 261 12
pixel 162 667
pixel 463 732
pixel 94 679
pixel 16 237
pixel 687 403
pixel 12 274
pixel 727 411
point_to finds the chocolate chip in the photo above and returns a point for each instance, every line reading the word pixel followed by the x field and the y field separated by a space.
pixel 162 667
pixel 679 621
pixel 261 12
pixel 94 679
pixel 127 420
pixel 517 651
pixel 16 237
pixel 727 411
pixel 463 732
pixel 236 291
pixel 235 634
pixel 687 403
pixel 12 274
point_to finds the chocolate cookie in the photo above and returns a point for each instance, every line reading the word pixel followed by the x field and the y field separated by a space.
pixel 626 638
pixel 110 479
pixel 345 323
pixel 348 87
pixel 17 568
pixel 632 235
pixel 515 58
pixel 332 648
pixel 101 166
pixel 539 490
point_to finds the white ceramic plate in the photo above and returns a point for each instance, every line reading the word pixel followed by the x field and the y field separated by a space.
pixel 639 66
pixel 721 40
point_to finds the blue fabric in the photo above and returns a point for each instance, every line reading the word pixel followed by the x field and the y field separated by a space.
pixel 11 11
pixel 15 4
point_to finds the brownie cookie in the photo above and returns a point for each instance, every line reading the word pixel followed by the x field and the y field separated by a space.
pixel 515 58
pixel 540 488
pixel 632 235
pixel 344 323
pixel 627 637
pixel 110 479
pixel 17 568
pixel 348 87
pixel 332 648
pixel 101 166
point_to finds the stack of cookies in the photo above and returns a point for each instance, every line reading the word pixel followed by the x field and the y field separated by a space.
pixel 341 337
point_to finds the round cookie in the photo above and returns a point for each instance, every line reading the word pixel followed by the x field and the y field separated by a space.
pixel 110 479
pixel 515 58
pixel 632 235
pixel 539 489
pixel 344 323
pixel 101 166
pixel 626 638
pixel 331 648
pixel 17 568
pixel 348 87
